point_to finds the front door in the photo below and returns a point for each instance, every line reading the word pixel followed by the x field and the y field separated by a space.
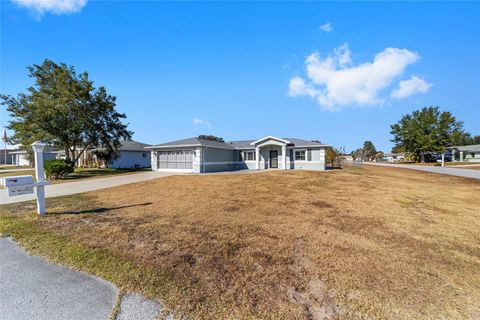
pixel 273 159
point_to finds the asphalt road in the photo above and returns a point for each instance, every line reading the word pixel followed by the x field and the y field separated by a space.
pixel 63 189
pixel 459 172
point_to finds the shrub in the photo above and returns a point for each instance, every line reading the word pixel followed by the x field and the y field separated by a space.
pixel 57 168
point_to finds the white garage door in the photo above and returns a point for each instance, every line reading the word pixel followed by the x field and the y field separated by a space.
pixel 177 159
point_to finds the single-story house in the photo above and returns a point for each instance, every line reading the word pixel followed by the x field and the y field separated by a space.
pixel 132 154
pixel 20 157
pixel 469 153
pixel 6 157
pixel 394 157
pixel 199 155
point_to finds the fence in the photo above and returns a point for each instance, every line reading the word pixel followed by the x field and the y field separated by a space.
pixel 351 164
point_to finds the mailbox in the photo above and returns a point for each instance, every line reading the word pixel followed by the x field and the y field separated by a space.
pixel 18 185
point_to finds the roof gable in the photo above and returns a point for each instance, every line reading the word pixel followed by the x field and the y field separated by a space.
pixel 270 138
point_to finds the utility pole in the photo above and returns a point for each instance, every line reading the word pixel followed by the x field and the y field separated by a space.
pixel 5 138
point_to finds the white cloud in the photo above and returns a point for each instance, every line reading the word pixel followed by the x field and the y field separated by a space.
pixel 39 7
pixel 199 122
pixel 327 27
pixel 409 87
pixel 335 82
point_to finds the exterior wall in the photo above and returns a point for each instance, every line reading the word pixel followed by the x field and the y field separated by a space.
pixel 9 158
pixel 317 161
pixel 215 160
pixel 49 156
pixel 153 160
pixel 132 159
pixel 472 156
pixel 20 160
pixel 198 160
pixel 245 164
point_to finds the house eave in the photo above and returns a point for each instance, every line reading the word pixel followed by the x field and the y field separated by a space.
pixel 270 137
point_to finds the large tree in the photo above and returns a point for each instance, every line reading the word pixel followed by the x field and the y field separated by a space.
pixel 367 152
pixel 64 109
pixel 210 137
pixel 426 131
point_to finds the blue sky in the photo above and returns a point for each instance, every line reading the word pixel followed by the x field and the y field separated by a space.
pixel 341 73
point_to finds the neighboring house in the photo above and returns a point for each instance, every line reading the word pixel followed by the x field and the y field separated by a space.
pixel 9 157
pixel 132 154
pixel 198 155
pixel 20 157
pixel 346 157
pixel 469 153
pixel 394 157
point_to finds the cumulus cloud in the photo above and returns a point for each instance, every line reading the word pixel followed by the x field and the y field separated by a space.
pixel 407 88
pixel 327 27
pixel 200 122
pixel 39 7
pixel 335 82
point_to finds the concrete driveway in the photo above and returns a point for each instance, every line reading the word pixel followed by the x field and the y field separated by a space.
pixel 63 189
pixel 459 172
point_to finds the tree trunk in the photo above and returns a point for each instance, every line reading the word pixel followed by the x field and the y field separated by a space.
pixel 67 154
pixel 79 154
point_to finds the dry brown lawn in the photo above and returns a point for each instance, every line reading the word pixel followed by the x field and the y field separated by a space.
pixel 373 243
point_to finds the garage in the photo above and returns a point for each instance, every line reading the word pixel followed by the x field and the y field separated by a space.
pixel 175 159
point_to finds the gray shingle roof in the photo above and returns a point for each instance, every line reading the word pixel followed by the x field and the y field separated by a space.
pixel 133 146
pixel 242 144
pixel 232 145
pixel 472 147
pixel 305 143
pixel 193 142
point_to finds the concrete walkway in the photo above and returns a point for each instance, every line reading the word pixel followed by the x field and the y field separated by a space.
pixel 459 172
pixel 16 170
pixel 32 288
pixel 63 189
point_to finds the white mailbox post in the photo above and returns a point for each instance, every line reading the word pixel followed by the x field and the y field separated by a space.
pixel 38 150
pixel 19 185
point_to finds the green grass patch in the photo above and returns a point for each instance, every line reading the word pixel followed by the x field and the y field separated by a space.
pixel 125 274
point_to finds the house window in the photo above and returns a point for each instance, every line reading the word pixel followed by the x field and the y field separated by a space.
pixel 144 155
pixel 300 155
pixel 249 155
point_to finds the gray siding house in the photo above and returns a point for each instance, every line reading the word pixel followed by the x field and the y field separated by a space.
pixel 132 155
pixel 198 155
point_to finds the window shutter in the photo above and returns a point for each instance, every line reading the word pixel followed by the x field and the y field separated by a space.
pixel 309 154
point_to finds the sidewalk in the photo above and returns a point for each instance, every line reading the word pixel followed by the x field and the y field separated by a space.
pixel 459 172
pixel 64 189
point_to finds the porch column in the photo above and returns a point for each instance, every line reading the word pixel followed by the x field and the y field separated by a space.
pixel 284 157
pixel 461 156
pixel 257 157
pixel 453 155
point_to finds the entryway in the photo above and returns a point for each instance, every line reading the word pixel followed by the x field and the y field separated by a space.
pixel 273 159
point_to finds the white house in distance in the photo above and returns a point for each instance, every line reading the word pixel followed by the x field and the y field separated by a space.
pixel 199 155
pixel 394 157
pixel 469 153
pixel 20 157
